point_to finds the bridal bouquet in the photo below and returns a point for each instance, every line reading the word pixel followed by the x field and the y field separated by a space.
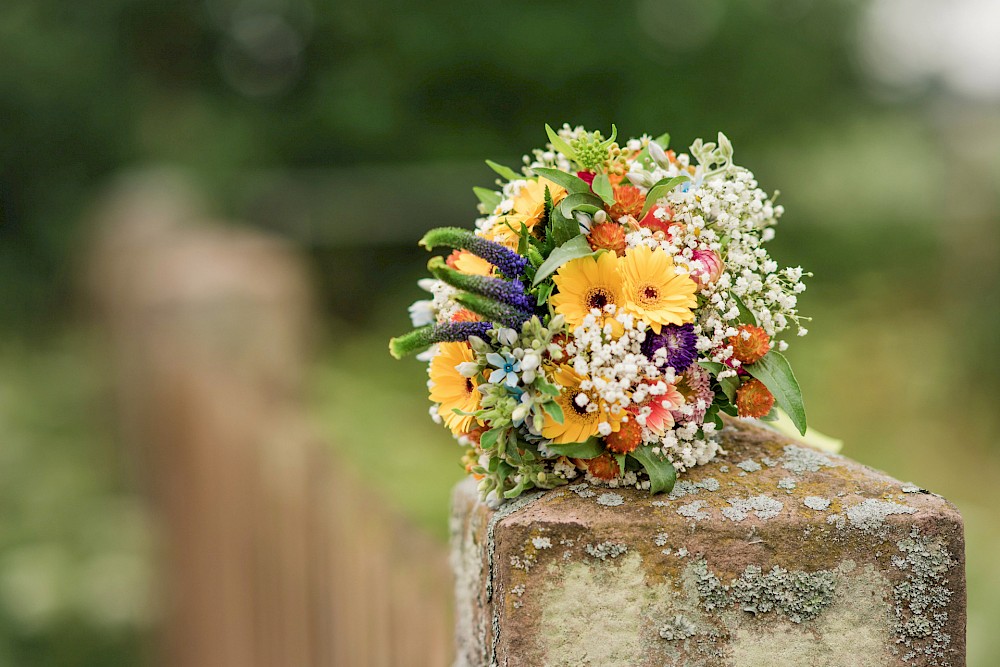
pixel 613 301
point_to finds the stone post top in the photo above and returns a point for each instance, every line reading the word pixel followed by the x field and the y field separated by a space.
pixel 761 476
pixel 775 554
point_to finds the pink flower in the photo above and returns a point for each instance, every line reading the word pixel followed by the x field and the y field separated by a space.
pixel 662 418
pixel 706 267
pixel 587 176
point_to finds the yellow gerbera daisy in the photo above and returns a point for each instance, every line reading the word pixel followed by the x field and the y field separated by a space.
pixel 587 283
pixel 653 290
pixel 529 206
pixel 451 389
pixel 529 203
pixel 578 424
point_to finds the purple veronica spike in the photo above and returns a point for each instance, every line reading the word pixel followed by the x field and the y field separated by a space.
pixel 509 262
pixel 451 332
pixel 679 343
pixel 504 291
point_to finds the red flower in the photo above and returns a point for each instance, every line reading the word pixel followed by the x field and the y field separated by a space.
pixel 626 439
pixel 587 176
pixel 608 236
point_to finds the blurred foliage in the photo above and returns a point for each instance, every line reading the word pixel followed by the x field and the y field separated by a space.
pixel 385 112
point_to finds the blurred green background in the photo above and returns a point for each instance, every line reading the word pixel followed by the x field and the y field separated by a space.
pixel 350 127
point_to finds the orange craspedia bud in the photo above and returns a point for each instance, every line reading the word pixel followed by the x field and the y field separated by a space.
pixel 465 316
pixel 753 399
pixel 626 439
pixel 602 467
pixel 628 201
pixel 608 236
pixel 453 258
pixel 750 343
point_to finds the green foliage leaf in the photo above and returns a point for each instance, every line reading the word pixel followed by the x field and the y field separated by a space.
pixel 489 198
pixel 713 367
pixel 776 374
pixel 661 189
pixel 587 449
pixel 729 386
pixel 580 201
pixel 505 172
pixel 661 471
pixel 746 315
pixel 489 439
pixel 573 249
pixel 559 143
pixel 571 182
pixel 544 292
pixel 602 188
pixel 563 228
pixel 663 141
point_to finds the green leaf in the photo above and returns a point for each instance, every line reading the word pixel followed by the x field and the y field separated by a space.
pixel 602 188
pixel 555 411
pixel 776 374
pixel 580 201
pixel 571 182
pixel 729 386
pixel 587 449
pixel 661 471
pixel 746 315
pixel 559 143
pixel 661 189
pixel 489 198
pixel 620 460
pixel 573 249
pixel 563 228
pixel 544 292
pixel 663 140
pixel 489 439
pixel 712 367
pixel 505 172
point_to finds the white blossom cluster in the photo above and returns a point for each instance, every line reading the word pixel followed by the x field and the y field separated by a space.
pixel 728 214
pixel 622 376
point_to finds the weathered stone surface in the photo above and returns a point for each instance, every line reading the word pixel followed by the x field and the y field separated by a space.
pixel 774 555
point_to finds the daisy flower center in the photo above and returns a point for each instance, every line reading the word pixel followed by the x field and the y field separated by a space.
pixel 577 408
pixel 649 294
pixel 598 297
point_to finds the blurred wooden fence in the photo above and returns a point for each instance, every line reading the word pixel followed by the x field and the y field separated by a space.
pixel 273 554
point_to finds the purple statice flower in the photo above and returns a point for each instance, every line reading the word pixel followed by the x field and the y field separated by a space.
pixel 679 343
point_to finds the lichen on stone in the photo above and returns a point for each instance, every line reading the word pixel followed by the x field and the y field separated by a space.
pixel 693 510
pixel 799 595
pixel 541 542
pixel 764 507
pixel 921 600
pixel 869 515
pixel 817 503
pixel 748 465
pixel 606 550
pixel 787 483
pixel 678 628
pixel 610 499
pixel 801 460
pixel 661 539
pixel 582 489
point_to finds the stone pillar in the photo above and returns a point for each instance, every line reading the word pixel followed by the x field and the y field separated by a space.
pixel 774 555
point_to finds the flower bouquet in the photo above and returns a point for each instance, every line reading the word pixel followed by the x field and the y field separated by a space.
pixel 612 303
